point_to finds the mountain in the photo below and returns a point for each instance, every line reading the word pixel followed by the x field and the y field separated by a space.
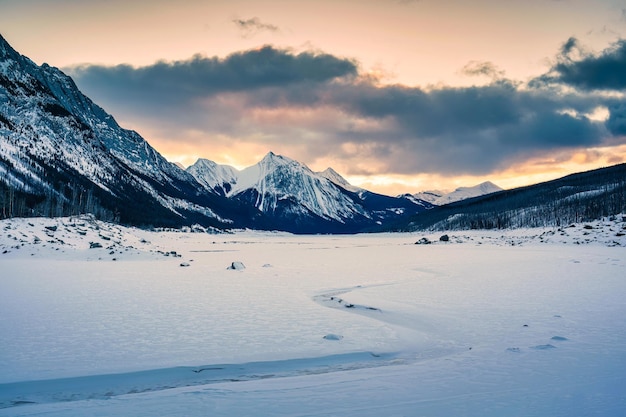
pixel 439 198
pixel 334 177
pixel 300 200
pixel 575 198
pixel 214 177
pixel 431 196
pixel 463 193
pixel 61 154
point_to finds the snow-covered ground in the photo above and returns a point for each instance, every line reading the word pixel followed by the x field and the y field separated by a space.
pixel 100 320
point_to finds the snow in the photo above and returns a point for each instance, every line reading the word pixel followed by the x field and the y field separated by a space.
pixel 440 198
pixel 337 179
pixel 463 193
pixel 277 178
pixel 212 175
pixel 491 323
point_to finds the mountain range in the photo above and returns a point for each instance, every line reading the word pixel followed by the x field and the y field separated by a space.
pixel 61 154
pixel 439 198
pixel 575 198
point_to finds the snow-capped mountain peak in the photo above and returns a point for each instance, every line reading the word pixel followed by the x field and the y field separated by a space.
pixel 337 179
pixel 440 198
pixel 290 191
pixel 463 193
pixel 278 183
pixel 213 176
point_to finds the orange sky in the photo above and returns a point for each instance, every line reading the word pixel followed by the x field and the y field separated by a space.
pixel 423 44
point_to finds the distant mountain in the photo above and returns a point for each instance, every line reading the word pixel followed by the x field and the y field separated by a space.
pixel 301 200
pixel 463 193
pixel 574 198
pixel 430 196
pixel 439 198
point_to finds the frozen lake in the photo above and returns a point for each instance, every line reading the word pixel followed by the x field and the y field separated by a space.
pixel 521 323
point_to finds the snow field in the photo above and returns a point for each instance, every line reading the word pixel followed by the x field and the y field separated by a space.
pixel 488 324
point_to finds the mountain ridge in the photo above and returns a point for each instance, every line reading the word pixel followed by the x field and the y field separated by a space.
pixel 61 154
pixel 575 198
pixel 463 193
pixel 282 187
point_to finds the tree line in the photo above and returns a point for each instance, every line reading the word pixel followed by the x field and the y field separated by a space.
pixel 572 199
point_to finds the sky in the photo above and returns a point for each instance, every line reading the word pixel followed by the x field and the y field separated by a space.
pixel 396 95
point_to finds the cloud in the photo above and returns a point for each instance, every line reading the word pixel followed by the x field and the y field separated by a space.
pixel 167 84
pixel 470 129
pixel 315 106
pixel 579 68
pixel 484 68
pixel 616 123
pixel 253 26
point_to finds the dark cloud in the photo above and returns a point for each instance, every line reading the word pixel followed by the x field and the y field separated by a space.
pixel 485 68
pixel 321 105
pixel 472 129
pixel 166 84
pixel 253 26
pixel 570 45
pixel 581 69
pixel 616 123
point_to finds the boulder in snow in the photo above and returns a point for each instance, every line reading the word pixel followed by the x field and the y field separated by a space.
pixel 236 265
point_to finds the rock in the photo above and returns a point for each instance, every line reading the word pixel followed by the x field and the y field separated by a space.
pixel 184 264
pixel 332 336
pixel 423 241
pixel 52 228
pixel 236 265
pixel 444 238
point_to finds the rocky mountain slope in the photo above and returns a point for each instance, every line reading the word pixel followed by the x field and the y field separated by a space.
pixel 61 154
pixel 289 192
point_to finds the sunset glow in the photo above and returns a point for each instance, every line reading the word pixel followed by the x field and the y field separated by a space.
pixel 397 96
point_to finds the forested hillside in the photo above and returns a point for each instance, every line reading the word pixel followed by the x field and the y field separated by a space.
pixel 575 198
